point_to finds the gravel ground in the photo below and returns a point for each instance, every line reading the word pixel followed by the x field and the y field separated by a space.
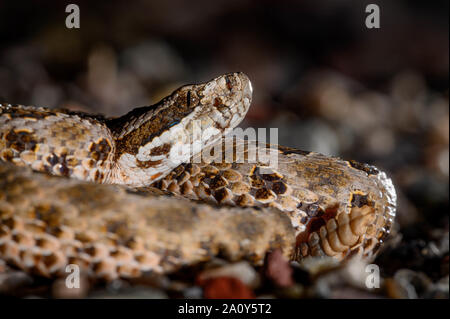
pixel 327 83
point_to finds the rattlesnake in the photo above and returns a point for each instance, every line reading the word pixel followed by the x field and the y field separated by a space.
pixel 163 208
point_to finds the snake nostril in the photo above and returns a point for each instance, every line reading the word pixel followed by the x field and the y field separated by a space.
pixel 229 81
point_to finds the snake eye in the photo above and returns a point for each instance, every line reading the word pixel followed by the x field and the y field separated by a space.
pixel 192 99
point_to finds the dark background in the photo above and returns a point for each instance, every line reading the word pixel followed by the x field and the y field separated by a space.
pixel 326 81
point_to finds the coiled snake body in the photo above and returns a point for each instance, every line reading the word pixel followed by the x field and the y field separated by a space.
pixel 167 206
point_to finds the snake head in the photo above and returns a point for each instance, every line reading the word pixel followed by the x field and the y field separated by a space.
pixel 224 101
pixel 157 138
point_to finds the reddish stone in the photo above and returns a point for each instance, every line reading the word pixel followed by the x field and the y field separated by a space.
pixel 278 270
pixel 225 288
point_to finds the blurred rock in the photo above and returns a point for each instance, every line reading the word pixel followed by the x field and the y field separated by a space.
pixel 135 292
pixel 408 284
pixel 154 62
pixel 61 291
pixel 240 270
pixel 278 270
pixel 11 281
pixel 226 288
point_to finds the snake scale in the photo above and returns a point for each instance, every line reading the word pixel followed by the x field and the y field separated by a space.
pixel 121 196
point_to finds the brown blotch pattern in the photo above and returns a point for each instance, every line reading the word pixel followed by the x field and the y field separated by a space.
pixel 56 142
pixel 359 200
pixel 100 151
pixel 316 191
pixel 20 140
pixel 162 116
pixel 147 164
pixel 160 150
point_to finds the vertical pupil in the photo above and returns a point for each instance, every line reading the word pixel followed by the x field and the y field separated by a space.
pixel 188 98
